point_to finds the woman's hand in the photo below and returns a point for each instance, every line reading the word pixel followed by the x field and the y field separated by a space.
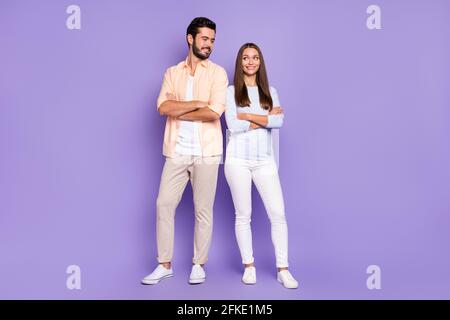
pixel 242 116
pixel 276 110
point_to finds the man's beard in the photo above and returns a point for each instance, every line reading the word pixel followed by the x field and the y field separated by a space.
pixel 197 52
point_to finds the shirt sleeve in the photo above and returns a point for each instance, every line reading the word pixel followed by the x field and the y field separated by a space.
pixel 218 91
pixel 167 87
pixel 233 123
pixel 275 121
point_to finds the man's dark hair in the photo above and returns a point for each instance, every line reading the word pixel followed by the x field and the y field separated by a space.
pixel 199 22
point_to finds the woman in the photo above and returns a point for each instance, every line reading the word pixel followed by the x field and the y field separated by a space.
pixel 252 111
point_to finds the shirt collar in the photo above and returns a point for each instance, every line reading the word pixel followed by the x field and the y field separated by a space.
pixel 203 63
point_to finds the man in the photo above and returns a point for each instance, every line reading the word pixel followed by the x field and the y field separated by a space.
pixel 193 97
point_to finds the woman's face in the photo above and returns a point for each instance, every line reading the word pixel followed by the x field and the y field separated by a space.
pixel 250 61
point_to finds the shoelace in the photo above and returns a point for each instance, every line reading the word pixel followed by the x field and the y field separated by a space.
pixel 159 271
pixel 197 270
pixel 250 271
pixel 289 276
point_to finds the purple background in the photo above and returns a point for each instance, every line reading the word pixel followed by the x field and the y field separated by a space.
pixel 364 151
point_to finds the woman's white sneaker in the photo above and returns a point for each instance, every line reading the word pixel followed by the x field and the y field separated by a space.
pixel 286 278
pixel 198 274
pixel 157 275
pixel 249 276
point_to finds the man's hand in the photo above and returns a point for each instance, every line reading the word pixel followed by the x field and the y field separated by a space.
pixel 171 96
pixel 201 104
pixel 198 104
pixel 276 110
pixel 254 126
pixel 201 114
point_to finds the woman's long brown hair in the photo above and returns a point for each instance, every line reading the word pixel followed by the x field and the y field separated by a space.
pixel 240 89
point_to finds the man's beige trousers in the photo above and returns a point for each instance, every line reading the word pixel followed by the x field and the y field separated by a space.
pixel 177 171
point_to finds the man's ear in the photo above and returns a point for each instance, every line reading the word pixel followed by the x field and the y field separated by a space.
pixel 190 39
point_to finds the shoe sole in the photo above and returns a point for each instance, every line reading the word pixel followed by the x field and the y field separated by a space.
pixel 150 282
pixel 285 286
pixel 249 283
pixel 197 281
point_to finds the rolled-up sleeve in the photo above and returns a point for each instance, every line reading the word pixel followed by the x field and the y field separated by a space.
pixel 166 87
pixel 275 120
pixel 234 124
pixel 218 91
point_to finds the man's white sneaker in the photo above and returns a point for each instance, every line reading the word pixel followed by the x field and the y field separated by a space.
pixel 286 278
pixel 157 275
pixel 197 274
pixel 249 276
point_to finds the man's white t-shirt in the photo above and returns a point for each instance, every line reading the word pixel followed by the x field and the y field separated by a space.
pixel 188 142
